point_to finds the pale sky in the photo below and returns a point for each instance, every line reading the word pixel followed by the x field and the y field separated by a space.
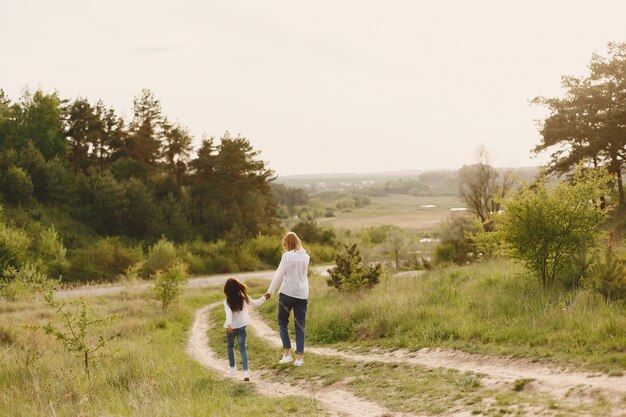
pixel 319 86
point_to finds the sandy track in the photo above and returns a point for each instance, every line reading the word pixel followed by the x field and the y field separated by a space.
pixel 197 282
pixel 335 401
pixel 550 380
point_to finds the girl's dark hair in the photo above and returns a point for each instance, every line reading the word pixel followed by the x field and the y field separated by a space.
pixel 236 293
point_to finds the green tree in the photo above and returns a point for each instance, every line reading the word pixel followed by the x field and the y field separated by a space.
pixel 350 273
pixel 176 150
pixel 396 246
pixel 230 188
pixel 38 118
pixel 17 186
pixel 76 330
pixel 589 122
pixel 82 126
pixel 168 284
pixel 547 228
pixel 145 137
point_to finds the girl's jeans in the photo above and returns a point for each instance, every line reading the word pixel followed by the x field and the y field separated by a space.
pixel 298 305
pixel 240 334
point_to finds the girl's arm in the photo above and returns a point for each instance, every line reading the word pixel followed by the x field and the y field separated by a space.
pixel 256 303
pixel 229 315
pixel 278 276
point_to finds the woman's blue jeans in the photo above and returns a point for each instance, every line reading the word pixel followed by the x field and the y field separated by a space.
pixel 240 334
pixel 298 305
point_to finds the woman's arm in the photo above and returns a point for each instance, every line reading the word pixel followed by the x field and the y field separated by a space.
pixel 278 276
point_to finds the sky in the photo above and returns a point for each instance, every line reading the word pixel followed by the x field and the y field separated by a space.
pixel 323 86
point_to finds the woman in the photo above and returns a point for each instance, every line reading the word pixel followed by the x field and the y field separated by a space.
pixel 293 295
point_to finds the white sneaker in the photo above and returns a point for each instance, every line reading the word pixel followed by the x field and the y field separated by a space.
pixel 298 362
pixel 232 370
pixel 246 375
pixel 285 359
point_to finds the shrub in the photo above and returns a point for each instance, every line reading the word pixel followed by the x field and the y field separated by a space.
pixel 160 256
pixel 608 276
pixel 350 273
pixel 17 186
pixel 310 232
pixel 75 331
pixel 14 247
pixel 25 283
pixel 168 285
pixel 266 248
pixel 103 260
pixel 456 245
pixel 546 229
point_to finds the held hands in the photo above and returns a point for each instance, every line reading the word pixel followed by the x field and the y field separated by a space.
pixel 230 329
pixel 267 296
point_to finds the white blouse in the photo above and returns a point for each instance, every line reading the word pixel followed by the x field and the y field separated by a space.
pixel 292 272
pixel 238 319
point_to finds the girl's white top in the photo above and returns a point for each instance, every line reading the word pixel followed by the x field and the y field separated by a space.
pixel 292 272
pixel 238 319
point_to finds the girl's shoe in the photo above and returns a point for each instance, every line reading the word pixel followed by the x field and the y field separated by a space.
pixel 246 375
pixel 232 370
pixel 285 359
pixel 298 362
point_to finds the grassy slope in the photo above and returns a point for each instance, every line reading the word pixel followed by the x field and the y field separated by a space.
pixel 493 308
pixel 145 373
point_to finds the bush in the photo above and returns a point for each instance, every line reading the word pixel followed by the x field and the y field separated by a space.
pixel 266 248
pixel 160 256
pixel 25 283
pixel 14 247
pixel 456 245
pixel 17 186
pixel 350 273
pixel 103 260
pixel 321 253
pixel 310 232
pixel 547 229
pixel 608 276
pixel 168 285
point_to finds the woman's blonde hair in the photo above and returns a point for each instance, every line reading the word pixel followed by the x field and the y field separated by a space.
pixel 291 241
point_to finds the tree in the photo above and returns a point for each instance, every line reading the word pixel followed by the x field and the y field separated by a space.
pixel 144 140
pixel 168 284
pixel 481 187
pixel 38 118
pixel 230 187
pixel 81 127
pixel 350 273
pixel 589 123
pixel 75 331
pixel 547 228
pixel 396 246
pixel 176 150
pixel 17 186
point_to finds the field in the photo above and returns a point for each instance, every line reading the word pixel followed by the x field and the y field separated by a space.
pixel 403 211
pixel 368 353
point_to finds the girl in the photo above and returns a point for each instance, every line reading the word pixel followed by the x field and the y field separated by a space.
pixel 293 295
pixel 237 318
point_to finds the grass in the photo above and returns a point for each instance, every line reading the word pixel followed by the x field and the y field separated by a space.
pixel 404 211
pixel 398 387
pixel 491 308
pixel 144 372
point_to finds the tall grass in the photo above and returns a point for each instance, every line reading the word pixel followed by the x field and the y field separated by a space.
pixel 493 308
pixel 145 372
